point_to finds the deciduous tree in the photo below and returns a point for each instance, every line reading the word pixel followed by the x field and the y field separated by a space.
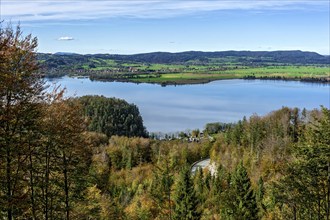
pixel 20 95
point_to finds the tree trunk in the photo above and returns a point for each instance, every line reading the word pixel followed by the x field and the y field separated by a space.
pixel 8 177
pixel 328 196
pixel 47 183
pixel 66 187
pixel 8 161
pixel 319 208
pixel 32 185
pixel 294 212
pixel 169 191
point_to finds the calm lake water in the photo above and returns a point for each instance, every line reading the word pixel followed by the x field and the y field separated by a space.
pixel 178 108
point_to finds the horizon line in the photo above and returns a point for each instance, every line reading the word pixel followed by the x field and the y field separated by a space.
pixel 186 51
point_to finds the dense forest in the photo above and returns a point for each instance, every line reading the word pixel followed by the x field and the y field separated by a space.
pixel 90 158
pixel 112 116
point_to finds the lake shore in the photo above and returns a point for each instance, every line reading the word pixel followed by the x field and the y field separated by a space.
pixel 314 74
pixel 200 80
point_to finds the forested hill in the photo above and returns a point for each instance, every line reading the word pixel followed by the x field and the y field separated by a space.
pixel 242 57
pixel 288 57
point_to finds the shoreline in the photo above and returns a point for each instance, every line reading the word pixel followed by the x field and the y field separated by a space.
pixel 321 80
pixel 208 80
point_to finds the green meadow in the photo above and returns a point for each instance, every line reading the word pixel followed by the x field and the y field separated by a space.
pixel 202 76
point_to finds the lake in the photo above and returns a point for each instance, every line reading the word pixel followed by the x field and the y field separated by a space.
pixel 184 107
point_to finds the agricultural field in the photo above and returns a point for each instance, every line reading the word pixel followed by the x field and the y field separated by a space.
pixel 200 76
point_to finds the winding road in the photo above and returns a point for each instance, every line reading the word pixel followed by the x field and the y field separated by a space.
pixel 206 163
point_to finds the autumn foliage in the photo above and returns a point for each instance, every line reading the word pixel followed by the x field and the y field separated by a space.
pixel 89 158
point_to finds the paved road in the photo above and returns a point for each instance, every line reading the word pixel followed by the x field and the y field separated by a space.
pixel 201 164
pixel 204 164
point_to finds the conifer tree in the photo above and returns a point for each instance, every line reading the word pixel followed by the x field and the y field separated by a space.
pixel 260 196
pixel 305 190
pixel 161 188
pixel 199 184
pixel 243 203
pixel 186 202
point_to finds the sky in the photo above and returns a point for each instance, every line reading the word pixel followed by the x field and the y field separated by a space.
pixel 141 26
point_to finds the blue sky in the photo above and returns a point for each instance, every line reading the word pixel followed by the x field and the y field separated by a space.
pixel 139 26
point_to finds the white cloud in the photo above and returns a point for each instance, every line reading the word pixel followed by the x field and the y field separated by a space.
pixel 64 10
pixel 66 38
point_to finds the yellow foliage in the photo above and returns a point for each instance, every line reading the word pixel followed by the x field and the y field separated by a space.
pixel 141 207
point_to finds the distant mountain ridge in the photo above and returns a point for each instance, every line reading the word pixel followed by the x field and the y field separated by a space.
pixel 65 53
pixel 287 57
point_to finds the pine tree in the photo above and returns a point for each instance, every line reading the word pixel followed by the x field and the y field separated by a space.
pixel 214 196
pixel 199 184
pixel 243 203
pixel 185 200
pixel 161 188
pixel 260 196
pixel 305 189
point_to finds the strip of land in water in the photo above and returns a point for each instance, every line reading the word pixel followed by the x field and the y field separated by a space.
pixel 190 67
